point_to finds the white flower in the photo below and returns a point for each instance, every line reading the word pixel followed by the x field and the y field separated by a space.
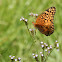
pixel 33 56
pixel 57 44
pixel 45 49
pixel 36 55
pixel 42 46
pixel 13 56
pixel 48 48
pixel 57 49
pixel 26 20
pixel 36 14
pixel 40 52
pixel 42 55
pixel 9 55
pixel 15 59
pixel 19 58
pixel 20 19
pixel 31 13
pixel 48 51
pixel 41 42
pixel 46 45
pixel 56 41
pixel 30 29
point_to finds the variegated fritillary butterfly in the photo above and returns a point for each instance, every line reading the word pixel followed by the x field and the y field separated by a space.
pixel 44 22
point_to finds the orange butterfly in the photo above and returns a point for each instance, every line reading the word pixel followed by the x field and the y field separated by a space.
pixel 44 22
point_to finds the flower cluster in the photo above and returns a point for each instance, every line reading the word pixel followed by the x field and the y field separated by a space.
pixel 23 19
pixel 32 14
pixel 36 57
pixel 57 45
pixel 13 59
pixel 47 49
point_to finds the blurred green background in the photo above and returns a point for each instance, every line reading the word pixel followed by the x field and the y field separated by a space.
pixel 14 36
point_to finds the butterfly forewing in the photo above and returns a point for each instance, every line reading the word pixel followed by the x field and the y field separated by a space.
pixel 47 15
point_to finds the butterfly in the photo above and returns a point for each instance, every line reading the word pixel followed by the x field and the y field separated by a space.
pixel 44 22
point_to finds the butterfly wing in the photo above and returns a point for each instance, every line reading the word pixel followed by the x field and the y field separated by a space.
pixel 44 22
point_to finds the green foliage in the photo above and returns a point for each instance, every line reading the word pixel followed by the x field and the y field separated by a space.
pixel 14 36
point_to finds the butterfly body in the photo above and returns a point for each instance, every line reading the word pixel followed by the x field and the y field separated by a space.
pixel 44 22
